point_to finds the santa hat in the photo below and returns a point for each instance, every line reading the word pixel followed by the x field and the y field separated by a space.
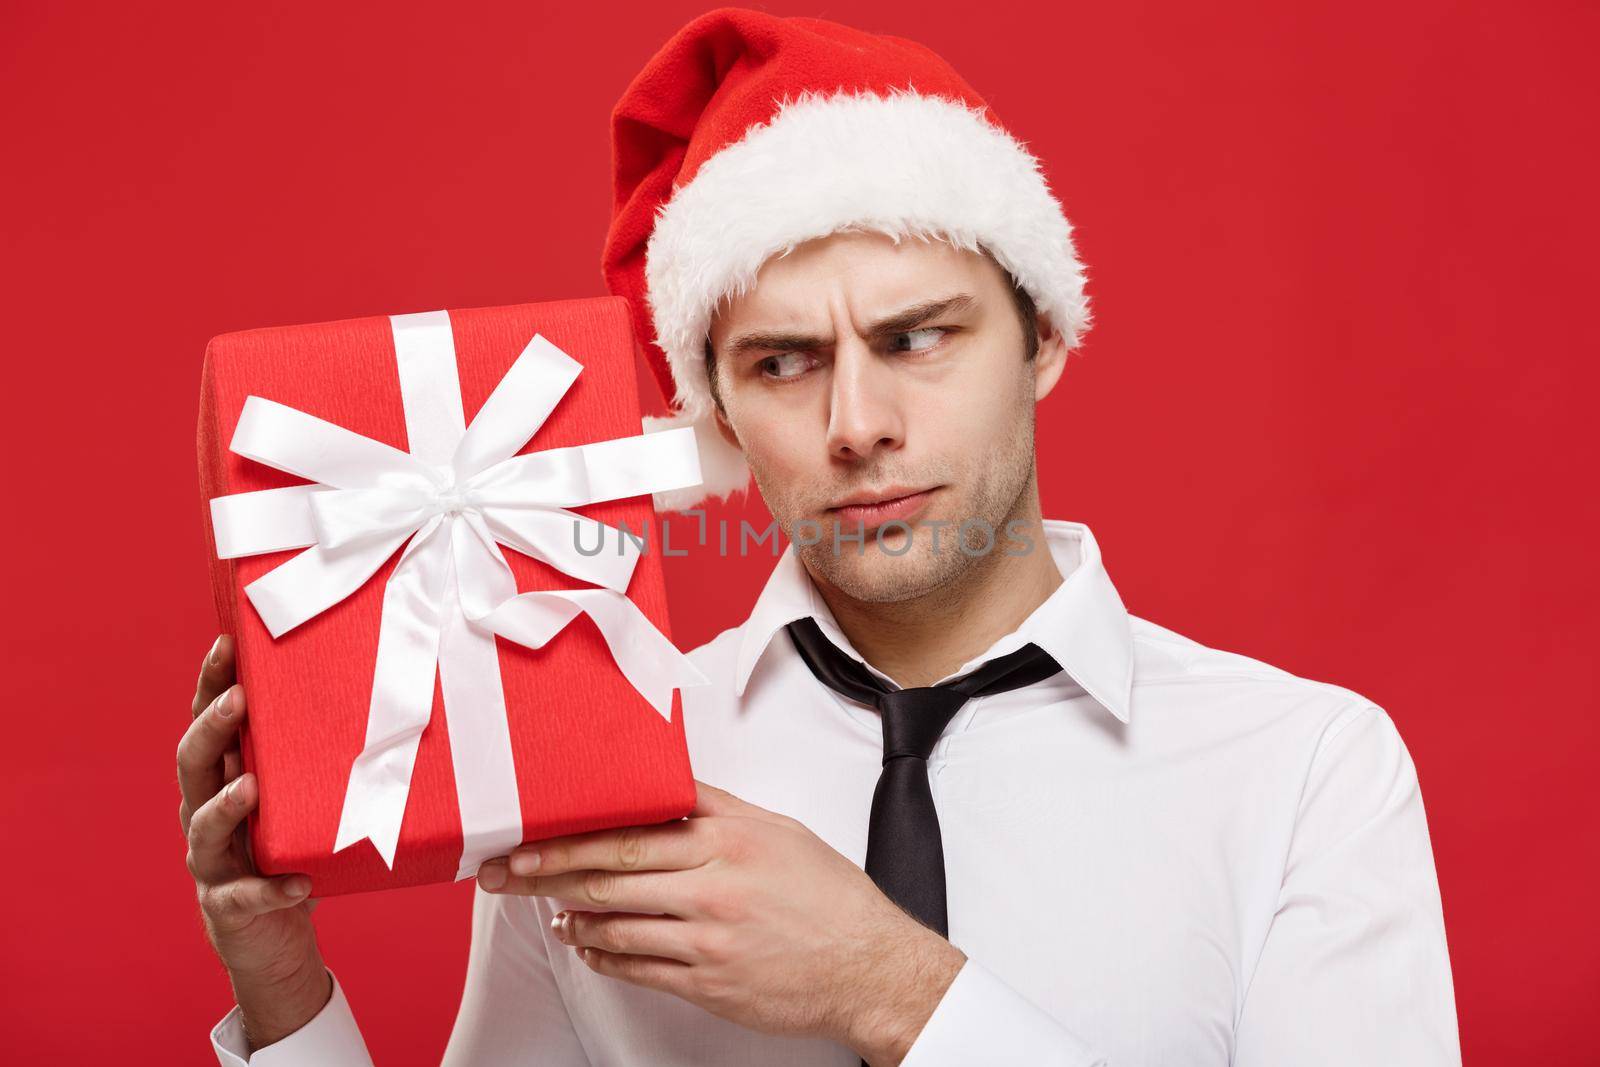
pixel 749 134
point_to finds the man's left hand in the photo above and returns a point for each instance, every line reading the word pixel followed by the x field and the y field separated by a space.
pixel 749 915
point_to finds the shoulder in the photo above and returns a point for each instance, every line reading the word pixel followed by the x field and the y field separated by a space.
pixel 1202 691
pixel 1324 751
pixel 1164 657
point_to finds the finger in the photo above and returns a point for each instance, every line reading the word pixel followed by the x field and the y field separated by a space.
pixel 202 746
pixel 669 976
pixel 216 674
pixel 651 892
pixel 666 937
pixel 664 847
pixel 234 903
pixel 211 859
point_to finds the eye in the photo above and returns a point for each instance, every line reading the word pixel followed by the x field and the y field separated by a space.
pixel 922 339
pixel 785 365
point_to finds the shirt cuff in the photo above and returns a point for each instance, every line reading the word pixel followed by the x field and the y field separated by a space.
pixel 980 1019
pixel 331 1038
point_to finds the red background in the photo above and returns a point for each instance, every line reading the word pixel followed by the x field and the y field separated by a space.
pixel 1335 413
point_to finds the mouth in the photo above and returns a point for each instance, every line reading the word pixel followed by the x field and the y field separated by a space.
pixel 874 508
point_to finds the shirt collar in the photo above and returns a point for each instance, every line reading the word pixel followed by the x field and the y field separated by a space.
pixel 1083 624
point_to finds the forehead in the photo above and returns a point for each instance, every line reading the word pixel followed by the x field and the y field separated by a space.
pixel 869 274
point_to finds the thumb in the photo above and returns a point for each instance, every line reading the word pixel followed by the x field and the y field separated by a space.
pixel 710 800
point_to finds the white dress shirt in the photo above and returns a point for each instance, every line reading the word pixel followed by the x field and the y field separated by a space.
pixel 1164 854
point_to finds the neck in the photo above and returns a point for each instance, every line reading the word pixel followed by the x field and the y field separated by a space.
pixel 925 638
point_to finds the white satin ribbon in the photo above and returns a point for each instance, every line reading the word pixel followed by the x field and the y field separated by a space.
pixel 452 501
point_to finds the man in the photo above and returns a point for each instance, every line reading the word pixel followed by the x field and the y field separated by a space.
pixel 966 809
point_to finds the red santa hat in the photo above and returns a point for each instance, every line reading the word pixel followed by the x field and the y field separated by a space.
pixel 749 134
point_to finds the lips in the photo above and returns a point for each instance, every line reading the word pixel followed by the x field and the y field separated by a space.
pixel 872 513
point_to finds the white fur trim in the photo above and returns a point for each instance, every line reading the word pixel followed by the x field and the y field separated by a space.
pixel 903 165
pixel 723 469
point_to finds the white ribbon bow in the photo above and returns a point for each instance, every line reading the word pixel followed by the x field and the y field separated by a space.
pixel 460 493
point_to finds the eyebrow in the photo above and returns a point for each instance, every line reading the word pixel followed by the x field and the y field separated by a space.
pixel 900 321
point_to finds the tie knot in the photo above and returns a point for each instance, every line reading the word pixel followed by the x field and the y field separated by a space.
pixel 914 719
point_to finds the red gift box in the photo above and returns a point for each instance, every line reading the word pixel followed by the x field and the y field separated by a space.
pixel 589 751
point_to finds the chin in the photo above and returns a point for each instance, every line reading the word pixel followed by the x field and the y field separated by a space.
pixel 873 573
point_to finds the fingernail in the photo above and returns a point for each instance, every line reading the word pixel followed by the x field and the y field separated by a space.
pixel 216 652
pixel 559 924
pixel 525 862
pixel 234 788
pixel 492 875
pixel 297 887
pixel 226 704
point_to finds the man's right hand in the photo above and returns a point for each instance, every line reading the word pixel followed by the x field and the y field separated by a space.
pixel 260 927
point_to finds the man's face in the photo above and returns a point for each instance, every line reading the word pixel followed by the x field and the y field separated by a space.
pixel 858 369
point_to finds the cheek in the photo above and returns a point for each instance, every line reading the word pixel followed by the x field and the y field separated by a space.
pixel 972 419
pixel 780 445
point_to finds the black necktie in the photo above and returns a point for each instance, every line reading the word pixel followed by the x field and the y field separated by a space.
pixel 905 854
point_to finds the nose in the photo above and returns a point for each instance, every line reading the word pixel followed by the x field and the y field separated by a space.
pixel 864 414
